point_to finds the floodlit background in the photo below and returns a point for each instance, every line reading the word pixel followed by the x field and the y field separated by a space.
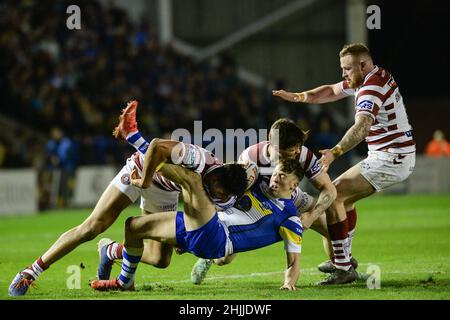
pixel 210 60
pixel 214 61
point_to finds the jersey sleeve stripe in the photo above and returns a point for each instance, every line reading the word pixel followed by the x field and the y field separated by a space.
pixel 392 127
pixel 290 235
pixel 377 80
pixel 391 116
pixel 137 160
pixel 377 94
pixel 387 138
pixel 399 145
pixel 309 156
pixel 370 114
pixel 377 132
pixel 389 107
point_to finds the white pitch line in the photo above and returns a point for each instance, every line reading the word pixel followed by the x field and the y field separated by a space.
pixel 309 271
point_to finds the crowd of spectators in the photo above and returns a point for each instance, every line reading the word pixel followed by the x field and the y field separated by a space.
pixel 79 80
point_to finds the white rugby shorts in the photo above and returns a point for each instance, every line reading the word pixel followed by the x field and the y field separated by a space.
pixel 383 169
pixel 153 199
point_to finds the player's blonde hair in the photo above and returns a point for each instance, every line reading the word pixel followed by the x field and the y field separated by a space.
pixel 354 49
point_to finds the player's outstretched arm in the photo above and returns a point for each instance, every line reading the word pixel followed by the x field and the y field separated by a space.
pixel 292 271
pixel 319 95
pixel 159 152
pixel 291 232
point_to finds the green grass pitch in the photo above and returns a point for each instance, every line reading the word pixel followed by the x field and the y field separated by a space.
pixel 407 237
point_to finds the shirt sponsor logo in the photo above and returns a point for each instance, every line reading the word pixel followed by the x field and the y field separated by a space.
pixel 315 168
pixel 168 207
pixel 365 105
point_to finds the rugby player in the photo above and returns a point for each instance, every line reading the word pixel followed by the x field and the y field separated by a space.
pixel 267 215
pixel 380 120
pixel 217 178
pixel 286 141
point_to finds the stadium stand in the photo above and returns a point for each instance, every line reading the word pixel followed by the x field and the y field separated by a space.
pixel 79 81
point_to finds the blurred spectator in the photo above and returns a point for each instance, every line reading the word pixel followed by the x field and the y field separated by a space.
pixel 61 164
pixel 79 80
pixel 60 151
pixel 324 133
pixel 438 147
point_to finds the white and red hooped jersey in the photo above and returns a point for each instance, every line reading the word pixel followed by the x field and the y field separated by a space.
pixel 258 153
pixel 192 157
pixel 379 97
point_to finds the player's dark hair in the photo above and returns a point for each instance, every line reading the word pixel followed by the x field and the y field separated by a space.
pixel 289 134
pixel 354 49
pixel 234 178
pixel 292 166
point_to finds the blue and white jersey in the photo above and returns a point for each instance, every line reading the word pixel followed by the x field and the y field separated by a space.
pixel 258 220
pixel 259 154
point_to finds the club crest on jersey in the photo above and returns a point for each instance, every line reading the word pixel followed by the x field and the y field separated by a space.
pixel 365 105
pixel 392 83
pixel 125 179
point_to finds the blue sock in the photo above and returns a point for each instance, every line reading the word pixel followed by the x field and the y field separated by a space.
pixel 131 258
pixel 138 142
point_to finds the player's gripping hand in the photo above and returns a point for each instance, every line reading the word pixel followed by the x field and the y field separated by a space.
pixel 288 96
pixel 326 160
pixel 307 220
pixel 288 287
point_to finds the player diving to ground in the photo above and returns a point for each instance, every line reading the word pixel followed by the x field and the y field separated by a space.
pixel 286 141
pixel 266 215
pixel 163 196
pixel 380 120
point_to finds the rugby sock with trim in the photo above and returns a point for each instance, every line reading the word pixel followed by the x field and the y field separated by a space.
pixel 36 268
pixel 339 241
pixel 137 141
pixel 131 258
pixel 115 251
pixel 351 217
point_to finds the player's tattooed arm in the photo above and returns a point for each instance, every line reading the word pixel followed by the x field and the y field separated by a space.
pixel 323 202
pixel 327 194
pixel 357 133
pixel 351 139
